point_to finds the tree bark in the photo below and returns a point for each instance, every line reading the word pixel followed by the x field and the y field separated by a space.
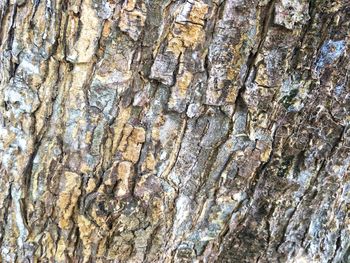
pixel 174 131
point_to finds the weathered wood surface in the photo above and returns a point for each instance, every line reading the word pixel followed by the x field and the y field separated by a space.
pixel 174 131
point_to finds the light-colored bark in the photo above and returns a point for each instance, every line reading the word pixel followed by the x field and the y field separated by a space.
pixel 174 131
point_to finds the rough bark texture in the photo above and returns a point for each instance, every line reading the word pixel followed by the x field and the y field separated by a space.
pixel 174 131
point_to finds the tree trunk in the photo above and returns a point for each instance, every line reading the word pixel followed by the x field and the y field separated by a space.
pixel 174 131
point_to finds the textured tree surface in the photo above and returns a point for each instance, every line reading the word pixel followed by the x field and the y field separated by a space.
pixel 174 131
